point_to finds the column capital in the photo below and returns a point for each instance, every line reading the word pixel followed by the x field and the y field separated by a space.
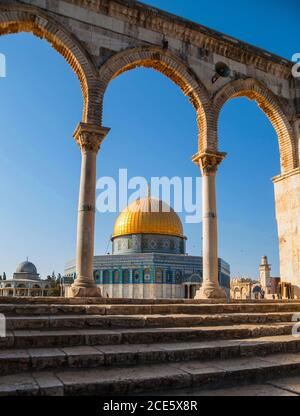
pixel 90 136
pixel 209 161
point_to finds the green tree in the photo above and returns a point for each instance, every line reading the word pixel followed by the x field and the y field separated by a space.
pixel 55 288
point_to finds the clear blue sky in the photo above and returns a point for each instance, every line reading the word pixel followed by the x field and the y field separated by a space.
pixel 40 163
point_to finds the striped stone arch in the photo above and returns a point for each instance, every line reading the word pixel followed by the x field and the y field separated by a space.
pixel 172 67
pixel 273 109
pixel 16 19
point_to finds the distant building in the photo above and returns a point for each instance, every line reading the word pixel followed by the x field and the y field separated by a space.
pixel 245 289
pixel 25 282
pixel 264 288
pixel 149 257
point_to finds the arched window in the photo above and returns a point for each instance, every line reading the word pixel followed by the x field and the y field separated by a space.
pixel 106 277
pixel 136 276
pixel 169 275
pixel 178 277
pixel 126 277
pixel 97 275
pixel 116 277
pixel 147 276
pixel 158 276
pixel 182 246
pixel 130 245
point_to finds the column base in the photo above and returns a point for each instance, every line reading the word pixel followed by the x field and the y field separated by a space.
pixel 211 293
pixel 78 291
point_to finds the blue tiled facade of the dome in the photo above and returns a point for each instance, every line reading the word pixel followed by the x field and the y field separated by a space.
pixel 168 274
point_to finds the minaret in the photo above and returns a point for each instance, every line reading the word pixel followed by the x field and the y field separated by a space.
pixel 265 274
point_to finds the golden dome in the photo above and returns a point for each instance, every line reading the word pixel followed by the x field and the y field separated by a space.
pixel 148 216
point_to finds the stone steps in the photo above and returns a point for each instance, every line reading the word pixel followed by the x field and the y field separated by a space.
pixel 61 347
pixel 15 309
pixel 38 359
pixel 90 337
pixel 151 378
pixel 285 387
pixel 23 300
pixel 141 321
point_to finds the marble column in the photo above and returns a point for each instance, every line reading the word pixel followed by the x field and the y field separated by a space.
pixel 89 138
pixel 209 163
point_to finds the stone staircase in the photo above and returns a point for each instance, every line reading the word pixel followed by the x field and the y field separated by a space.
pixel 117 347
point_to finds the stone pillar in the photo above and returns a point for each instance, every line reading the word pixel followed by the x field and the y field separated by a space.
pixel 287 201
pixel 89 138
pixel 208 163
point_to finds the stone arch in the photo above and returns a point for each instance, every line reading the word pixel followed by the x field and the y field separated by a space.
pixel 173 68
pixel 194 278
pixel 237 293
pixel 17 19
pixel 273 109
pixel 244 293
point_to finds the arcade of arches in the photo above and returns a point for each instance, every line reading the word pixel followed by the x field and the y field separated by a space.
pixel 102 39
